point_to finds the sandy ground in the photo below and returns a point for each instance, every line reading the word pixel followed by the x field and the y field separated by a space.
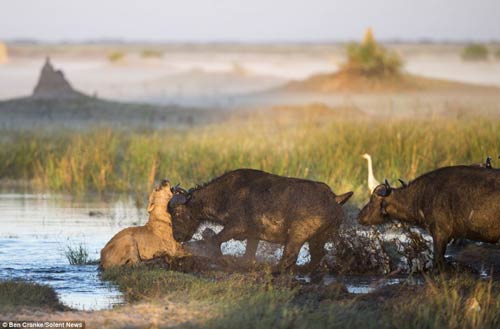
pixel 154 314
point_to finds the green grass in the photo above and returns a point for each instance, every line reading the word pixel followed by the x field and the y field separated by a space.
pixel 319 148
pixel 475 52
pixel 78 255
pixel 257 301
pixel 150 282
pixel 27 294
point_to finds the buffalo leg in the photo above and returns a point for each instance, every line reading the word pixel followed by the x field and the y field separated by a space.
pixel 290 254
pixel 292 248
pixel 440 241
pixel 228 232
pixel 317 252
pixel 297 236
pixel 251 249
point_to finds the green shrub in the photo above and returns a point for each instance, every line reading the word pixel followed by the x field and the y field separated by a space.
pixel 151 53
pixel 475 52
pixel 116 56
pixel 370 59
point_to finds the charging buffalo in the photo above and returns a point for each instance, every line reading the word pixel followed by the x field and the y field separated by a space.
pixel 450 203
pixel 255 205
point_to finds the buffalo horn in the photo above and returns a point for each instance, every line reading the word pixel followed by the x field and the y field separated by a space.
pixel 403 183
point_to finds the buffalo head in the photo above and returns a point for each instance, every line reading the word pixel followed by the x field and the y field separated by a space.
pixel 184 223
pixel 375 212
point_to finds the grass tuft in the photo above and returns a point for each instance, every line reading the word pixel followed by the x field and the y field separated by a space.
pixel 28 294
pixel 78 255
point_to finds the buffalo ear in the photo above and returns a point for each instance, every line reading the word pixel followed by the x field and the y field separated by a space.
pixel 382 190
pixel 341 199
pixel 178 199
pixel 173 189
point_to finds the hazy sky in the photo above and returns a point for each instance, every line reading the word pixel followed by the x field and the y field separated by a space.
pixel 249 20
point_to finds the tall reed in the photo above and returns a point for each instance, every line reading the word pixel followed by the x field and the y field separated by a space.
pixel 324 149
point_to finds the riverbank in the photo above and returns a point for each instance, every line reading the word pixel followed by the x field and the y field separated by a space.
pixel 161 298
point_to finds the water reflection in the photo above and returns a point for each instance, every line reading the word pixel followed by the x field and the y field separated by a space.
pixel 36 229
pixel 365 284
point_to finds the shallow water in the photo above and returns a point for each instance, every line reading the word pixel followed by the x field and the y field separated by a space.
pixel 365 284
pixel 35 231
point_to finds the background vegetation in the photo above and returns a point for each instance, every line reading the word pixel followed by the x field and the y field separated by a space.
pixel 315 146
pixel 370 59
pixel 116 56
pixel 151 53
pixel 475 52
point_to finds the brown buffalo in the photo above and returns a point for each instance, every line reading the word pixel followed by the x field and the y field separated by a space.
pixel 255 205
pixel 450 203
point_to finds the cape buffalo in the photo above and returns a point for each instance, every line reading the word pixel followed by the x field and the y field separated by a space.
pixel 450 203
pixel 255 205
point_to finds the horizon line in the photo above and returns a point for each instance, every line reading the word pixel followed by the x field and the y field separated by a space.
pixel 105 40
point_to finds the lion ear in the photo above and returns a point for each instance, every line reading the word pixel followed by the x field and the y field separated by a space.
pixel 151 204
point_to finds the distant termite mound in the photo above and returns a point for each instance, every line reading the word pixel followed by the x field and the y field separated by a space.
pixel 3 53
pixel 55 103
pixel 53 85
